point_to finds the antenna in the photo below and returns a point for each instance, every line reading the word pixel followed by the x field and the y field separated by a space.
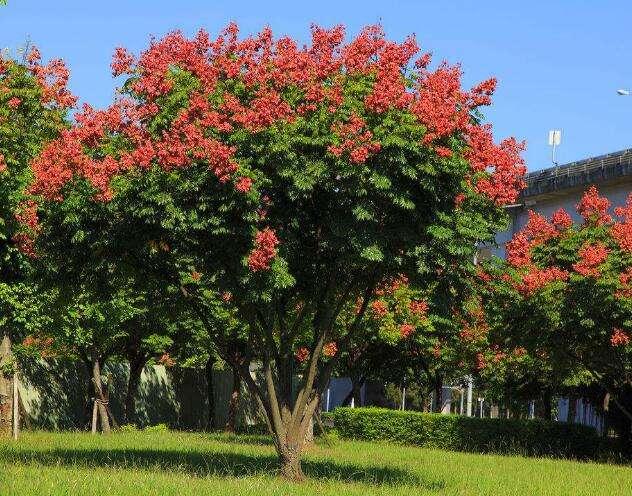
pixel 555 138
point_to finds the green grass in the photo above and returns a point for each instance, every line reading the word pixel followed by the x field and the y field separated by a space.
pixel 176 463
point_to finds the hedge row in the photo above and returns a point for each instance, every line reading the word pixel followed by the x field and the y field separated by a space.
pixel 506 436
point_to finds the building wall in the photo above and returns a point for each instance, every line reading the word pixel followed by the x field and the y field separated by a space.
pixel 547 204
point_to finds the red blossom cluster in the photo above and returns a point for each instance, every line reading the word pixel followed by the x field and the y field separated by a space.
pixel 538 230
pixel 44 345
pixel 562 220
pixel 52 78
pixel 480 362
pixel 166 360
pixel 330 349
pixel 379 308
pixel 625 279
pixel 518 251
pixel 406 330
pixel 622 231
pixel 418 307
pixel 538 278
pixel 265 250
pixel 591 256
pixel 268 70
pixel 356 140
pixel 594 208
pixel 26 215
pixel 619 337
pixel 243 184
pixel 302 354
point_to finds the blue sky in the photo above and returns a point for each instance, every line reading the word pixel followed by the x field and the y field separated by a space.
pixel 558 63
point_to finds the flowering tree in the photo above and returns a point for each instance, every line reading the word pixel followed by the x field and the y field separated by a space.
pixel 565 295
pixel 33 105
pixel 290 181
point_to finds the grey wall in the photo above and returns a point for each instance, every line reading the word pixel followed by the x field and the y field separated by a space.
pixel 54 394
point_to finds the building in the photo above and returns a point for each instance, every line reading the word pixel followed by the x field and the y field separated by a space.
pixel 563 186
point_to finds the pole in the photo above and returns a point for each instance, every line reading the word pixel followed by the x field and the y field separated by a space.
pixel 403 398
pixel 461 407
pixel 16 407
pixel 470 386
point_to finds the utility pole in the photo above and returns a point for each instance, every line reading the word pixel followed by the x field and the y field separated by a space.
pixel 470 386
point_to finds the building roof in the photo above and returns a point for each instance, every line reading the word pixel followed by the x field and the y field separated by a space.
pixel 611 168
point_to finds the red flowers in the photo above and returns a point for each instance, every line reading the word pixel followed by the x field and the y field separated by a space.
pixel 330 349
pixel 418 307
pixel 302 354
pixel 356 140
pixel 406 330
pixel 562 220
pixel 619 337
pixel 14 102
pixel 268 70
pixel 625 279
pixel 622 231
pixel 591 256
pixel 379 308
pixel 166 360
pixel 538 229
pixel 594 208
pixel 538 278
pixel 122 61
pixel 518 251
pixel 265 250
pixel 243 184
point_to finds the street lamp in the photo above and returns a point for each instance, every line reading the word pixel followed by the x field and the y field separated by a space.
pixel 622 92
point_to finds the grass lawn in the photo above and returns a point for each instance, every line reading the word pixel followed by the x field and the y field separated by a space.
pixel 176 463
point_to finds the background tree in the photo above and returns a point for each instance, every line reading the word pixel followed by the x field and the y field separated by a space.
pixel 33 105
pixel 565 296
pixel 293 180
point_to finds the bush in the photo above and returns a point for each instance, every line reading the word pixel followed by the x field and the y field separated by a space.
pixel 506 436
pixel 157 428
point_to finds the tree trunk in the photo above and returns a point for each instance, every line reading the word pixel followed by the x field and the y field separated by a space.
pixel 547 412
pixel 290 460
pixel 6 391
pixel 136 367
pixel 210 392
pixel 233 404
pixel 99 396
pixel 438 392
pixel 357 393
pixel 572 409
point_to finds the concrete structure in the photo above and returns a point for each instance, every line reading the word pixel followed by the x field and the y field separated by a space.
pixel 562 186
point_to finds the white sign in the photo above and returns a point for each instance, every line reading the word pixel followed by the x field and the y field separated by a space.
pixel 555 137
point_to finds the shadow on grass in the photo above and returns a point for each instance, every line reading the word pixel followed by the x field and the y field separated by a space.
pixel 216 463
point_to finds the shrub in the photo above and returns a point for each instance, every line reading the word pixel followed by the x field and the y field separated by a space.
pixel 507 436
pixel 157 428
pixel 128 428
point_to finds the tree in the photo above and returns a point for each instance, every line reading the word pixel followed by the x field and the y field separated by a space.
pixel 292 181
pixel 33 105
pixel 565 296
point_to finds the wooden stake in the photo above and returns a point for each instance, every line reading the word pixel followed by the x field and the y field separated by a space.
pixel 94 416
pixel 16 407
